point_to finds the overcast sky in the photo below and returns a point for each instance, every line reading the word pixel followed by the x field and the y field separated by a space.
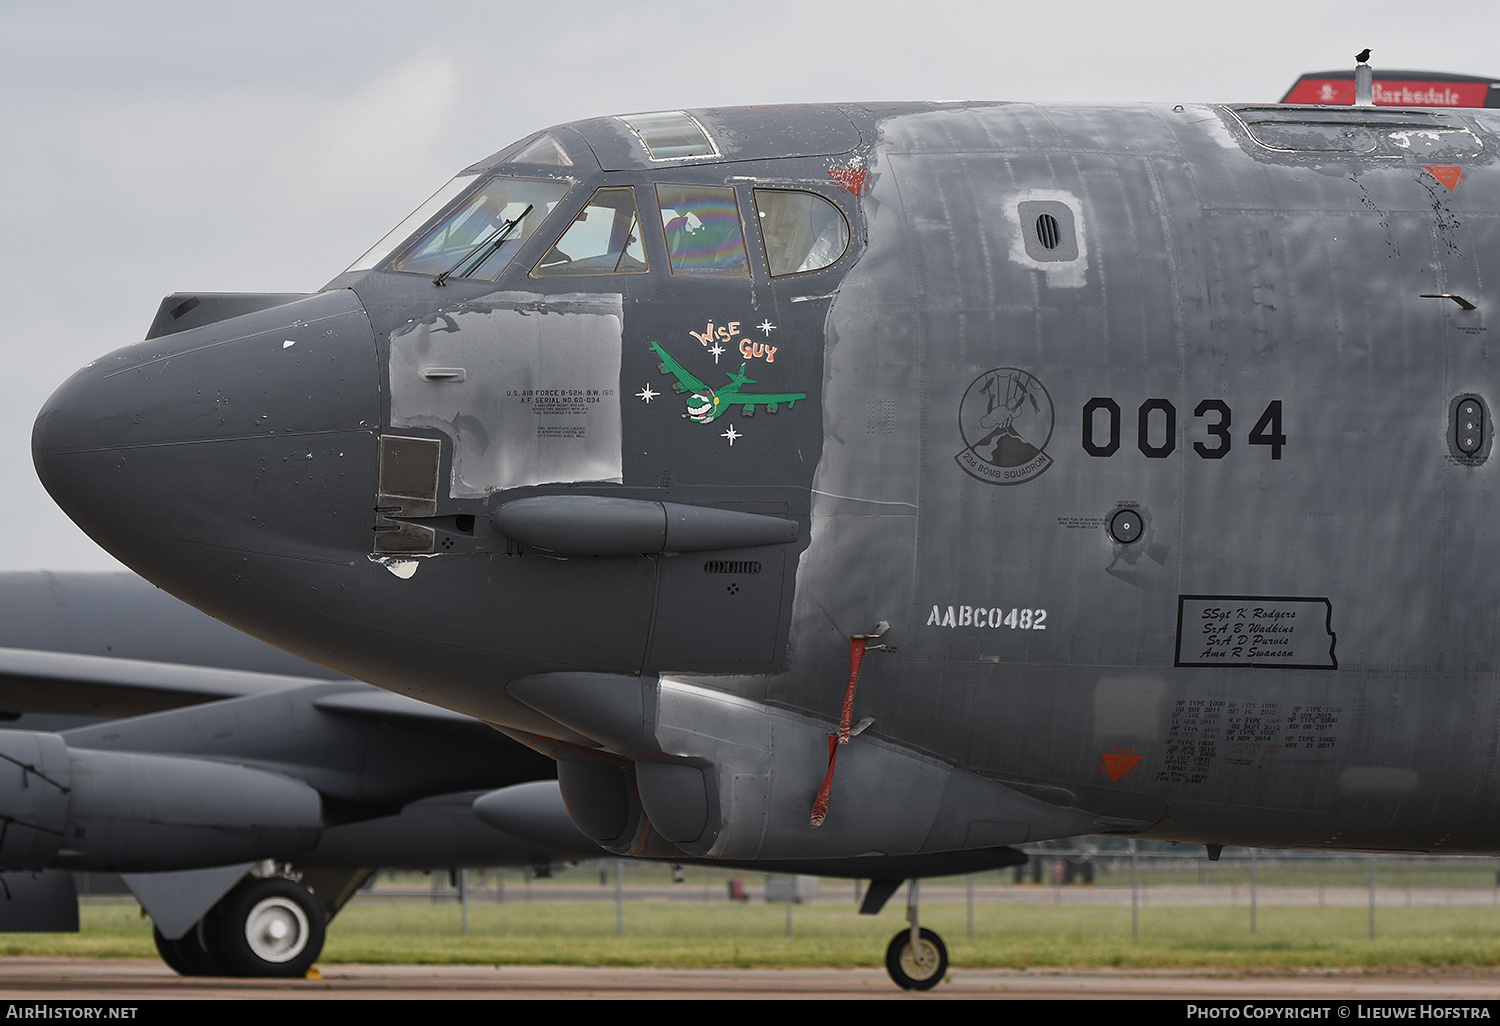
pixel 149 148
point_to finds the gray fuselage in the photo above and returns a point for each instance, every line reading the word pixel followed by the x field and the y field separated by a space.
pixel 1160 438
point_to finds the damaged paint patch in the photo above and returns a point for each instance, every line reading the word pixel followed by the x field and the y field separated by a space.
pixel 402 568
pixel 1204 118
pixel 538 402
pixel 852 176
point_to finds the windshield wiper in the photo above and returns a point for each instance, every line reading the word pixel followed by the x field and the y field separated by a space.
pixel 487 247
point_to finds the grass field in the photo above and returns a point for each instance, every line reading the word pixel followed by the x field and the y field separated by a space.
pixel 829 933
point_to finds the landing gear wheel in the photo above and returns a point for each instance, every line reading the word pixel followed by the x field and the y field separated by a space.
pixel 270 928
pixel 189 955
pixel 919 969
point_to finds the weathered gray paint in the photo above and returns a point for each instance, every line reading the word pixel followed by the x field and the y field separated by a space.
pixel 1229 260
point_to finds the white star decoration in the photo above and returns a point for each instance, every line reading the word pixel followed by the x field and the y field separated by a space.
pixel 718 351
pixel 647 394
pixel 767 327
pixel 731 434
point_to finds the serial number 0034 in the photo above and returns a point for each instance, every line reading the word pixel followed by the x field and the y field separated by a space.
pixel 1156 428
pixel 995 616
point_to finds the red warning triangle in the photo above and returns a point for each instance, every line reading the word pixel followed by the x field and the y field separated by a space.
pixel 1449 174
pixel 1118 764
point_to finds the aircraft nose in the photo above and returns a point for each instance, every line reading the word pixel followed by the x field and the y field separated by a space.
pixel 256 434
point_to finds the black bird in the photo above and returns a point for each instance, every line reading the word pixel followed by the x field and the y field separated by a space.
pixel 1363 55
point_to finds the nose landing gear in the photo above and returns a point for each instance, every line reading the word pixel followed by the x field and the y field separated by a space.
pixel 916 958
pixel 916 966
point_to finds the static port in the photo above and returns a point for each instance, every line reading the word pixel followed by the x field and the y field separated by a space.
pixel 1125 526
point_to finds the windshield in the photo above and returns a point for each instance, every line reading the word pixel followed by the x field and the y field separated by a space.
pixel 463 243
pixel 399 234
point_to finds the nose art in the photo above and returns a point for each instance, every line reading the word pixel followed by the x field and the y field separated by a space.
pixel 258 432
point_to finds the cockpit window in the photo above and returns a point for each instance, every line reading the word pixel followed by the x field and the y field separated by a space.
pixel 544 150
pixel 702 225
pixel 671 135
pixel 479 237
pixel 419 217
pixel 605 238
pixel 801 231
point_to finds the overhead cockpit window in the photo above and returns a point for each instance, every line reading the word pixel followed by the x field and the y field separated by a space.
pixel 419 217
pixel 479 237
pixel 801 231
pixel 544 150
pixel 671 135
pixel 605 238
pixel 702 225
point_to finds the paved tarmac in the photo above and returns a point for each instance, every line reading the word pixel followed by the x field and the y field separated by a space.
pixel 125 980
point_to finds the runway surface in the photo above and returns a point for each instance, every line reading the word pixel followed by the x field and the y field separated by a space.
pixel 74 980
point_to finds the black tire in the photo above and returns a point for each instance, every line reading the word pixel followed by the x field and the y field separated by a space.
pixel 905 969
pixel 188 955
pixel 269 928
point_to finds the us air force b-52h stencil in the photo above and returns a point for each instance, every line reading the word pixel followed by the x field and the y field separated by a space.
pixel 1139 480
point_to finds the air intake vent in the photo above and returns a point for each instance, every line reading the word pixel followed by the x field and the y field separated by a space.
pixel 728 566
pixel 1047 231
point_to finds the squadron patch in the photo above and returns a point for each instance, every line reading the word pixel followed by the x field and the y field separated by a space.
pixel 1005 418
